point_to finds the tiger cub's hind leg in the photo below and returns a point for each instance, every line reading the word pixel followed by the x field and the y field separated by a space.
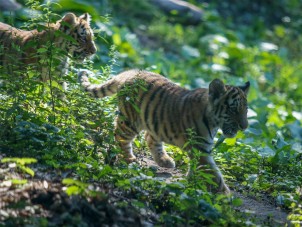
pixel 158 153
pixel 124 134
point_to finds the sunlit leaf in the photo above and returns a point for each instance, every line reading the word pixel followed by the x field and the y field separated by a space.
pixel 19 181
pixel 116 39
pixel 70 181
pixel 232 141
pixel 27 170
pixel 73 190
pixel 21 161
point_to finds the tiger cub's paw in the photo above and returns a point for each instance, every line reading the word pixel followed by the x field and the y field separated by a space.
pixel 225 190
pixel 165 161
pixel 130 159
pixel 83 76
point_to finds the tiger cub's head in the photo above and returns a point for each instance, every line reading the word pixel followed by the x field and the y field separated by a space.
pixel 229 106
pixel 79 42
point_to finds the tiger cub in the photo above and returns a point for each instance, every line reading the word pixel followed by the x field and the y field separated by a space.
pixel 150 102
pixel 20 49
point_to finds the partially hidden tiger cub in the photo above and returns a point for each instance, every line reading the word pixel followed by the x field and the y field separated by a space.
pixel 20 49
pixel 150 102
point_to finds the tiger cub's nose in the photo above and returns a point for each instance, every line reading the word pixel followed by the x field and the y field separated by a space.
pixel 93 49
pixel 243 125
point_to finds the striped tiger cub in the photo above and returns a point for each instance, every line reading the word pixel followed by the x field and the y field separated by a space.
pixel 166 111
pixel 20 49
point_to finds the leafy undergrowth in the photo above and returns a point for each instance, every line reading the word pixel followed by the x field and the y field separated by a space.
pixel 123 196
pixel 162 197
pixel 41 202
pixel 59 161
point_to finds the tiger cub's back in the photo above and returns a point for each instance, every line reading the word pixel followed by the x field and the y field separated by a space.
pixel 12 42
pixel 153 103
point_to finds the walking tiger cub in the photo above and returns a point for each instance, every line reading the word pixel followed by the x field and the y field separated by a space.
pixel 150 102
pixel 21 49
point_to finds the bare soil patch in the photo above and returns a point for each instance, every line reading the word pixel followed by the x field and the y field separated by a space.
pixel 259 210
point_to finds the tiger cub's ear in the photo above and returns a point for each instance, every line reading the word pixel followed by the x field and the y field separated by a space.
pixel 69 19
pixel 216 89
pixel 86 17
pixel 245 88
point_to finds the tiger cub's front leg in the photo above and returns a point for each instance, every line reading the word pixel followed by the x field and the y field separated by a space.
pixel 208 164
pixel 158 152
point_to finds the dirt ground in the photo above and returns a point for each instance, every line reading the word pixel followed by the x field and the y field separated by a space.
pixel 260 210
pixel 43 202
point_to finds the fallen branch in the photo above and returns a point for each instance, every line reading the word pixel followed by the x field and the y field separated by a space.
pixel 9 5
pixel 191 13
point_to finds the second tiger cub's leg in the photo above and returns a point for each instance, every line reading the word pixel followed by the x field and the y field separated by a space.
pixel 124 134
pixel 158 153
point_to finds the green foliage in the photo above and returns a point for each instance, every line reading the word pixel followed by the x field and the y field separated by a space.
pixel 75 187
pixel 259 42
pixel 20 163
pixel 129 93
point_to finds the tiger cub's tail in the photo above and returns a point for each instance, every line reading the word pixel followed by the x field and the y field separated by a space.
pixel 98 90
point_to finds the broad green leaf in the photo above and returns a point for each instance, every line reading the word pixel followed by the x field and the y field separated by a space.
pixel 266 151
pixel 138 204
pixel 237 202
pixel 42 50
pixel 21 161
pixel 27 170
pixel 116 39
pixel 230 141
pixel 176 185
pixel 19 181
pixel 70 181
pixel 73 190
